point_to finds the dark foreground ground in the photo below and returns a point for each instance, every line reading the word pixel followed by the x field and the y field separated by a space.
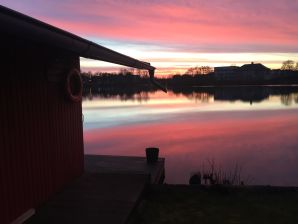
pixel 186 204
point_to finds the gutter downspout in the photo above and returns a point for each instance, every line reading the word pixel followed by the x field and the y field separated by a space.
pixel 158 85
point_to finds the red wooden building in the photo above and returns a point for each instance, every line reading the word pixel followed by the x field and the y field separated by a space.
pixel 41 139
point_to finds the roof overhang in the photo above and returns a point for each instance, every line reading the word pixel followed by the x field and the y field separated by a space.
pixel 25 27
pixel 13 23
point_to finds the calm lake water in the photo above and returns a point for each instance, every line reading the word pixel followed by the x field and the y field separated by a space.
pixel 255 128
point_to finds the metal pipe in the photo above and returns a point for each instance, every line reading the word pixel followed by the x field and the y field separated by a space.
pixel 158 85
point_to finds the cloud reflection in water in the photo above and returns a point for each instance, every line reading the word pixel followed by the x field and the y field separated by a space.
pixel 263 142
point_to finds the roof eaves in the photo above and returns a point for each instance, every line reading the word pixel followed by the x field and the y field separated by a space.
pixel 22 26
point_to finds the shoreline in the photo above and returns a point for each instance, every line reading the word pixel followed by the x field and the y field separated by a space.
pixel 233 204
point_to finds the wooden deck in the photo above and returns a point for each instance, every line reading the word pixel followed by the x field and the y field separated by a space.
pixel 107 192
pixel 126 164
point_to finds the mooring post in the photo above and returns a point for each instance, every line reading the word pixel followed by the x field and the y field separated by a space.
pixel 152 154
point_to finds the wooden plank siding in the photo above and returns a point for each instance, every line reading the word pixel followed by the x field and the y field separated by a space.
pixel 41 138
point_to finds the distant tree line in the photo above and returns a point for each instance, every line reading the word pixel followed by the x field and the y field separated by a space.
pixel 125 83
pixel 123 78
pixel 138 80
pixel 289 65
pixel 203 70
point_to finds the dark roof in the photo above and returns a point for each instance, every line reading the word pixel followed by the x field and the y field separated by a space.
pixel 13 23
pixel 254 66
pixel 226 68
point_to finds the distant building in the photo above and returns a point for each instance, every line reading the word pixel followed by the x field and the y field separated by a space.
pixel 276 71
pixel 253 72
pixel 225 70
pixel 226 73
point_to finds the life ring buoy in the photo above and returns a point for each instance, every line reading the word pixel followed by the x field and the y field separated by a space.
pixel 74 86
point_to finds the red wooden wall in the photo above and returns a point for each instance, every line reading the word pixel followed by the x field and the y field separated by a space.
pixel 41 134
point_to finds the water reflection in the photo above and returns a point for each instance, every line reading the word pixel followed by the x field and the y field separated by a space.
pixel 251 94
pixel 194 126
pixel 124 94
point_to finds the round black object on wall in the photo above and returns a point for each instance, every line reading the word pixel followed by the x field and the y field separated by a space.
pixel 74 86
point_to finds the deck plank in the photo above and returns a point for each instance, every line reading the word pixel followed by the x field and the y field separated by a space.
pixel 125 164
pixel 94 198
pixel 107 192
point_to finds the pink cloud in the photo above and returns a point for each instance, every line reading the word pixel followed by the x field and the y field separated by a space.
pixel 229 23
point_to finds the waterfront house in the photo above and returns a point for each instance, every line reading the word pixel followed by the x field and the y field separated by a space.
pixel 41 141
pixel 246 74
pixel 254 71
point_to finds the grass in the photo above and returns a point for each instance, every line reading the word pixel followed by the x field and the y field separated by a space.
pixel 188 204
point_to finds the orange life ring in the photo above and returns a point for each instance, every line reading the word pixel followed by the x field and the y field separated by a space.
pixel 74 86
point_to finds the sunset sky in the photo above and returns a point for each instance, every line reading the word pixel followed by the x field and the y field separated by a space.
pixel 175 35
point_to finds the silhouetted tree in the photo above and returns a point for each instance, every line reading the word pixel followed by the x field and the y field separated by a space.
pixel 125 71
pixel 203 70
pixel 286 99
pixel 142 73
pixel 288 65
